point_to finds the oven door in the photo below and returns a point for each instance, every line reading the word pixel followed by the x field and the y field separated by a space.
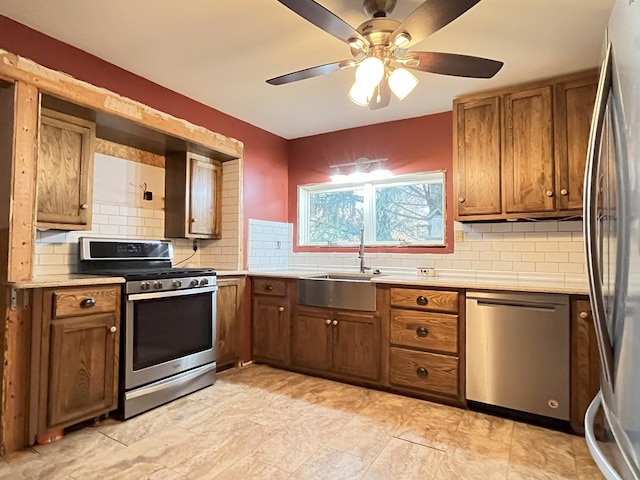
pixel 167 333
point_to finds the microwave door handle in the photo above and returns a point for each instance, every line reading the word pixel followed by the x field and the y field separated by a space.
pixel 590 219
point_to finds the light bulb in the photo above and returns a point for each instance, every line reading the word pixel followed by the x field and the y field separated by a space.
pixel 402 40
pixel 402 82
pixel 370 71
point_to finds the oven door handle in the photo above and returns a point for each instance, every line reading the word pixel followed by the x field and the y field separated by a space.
pixel 173 293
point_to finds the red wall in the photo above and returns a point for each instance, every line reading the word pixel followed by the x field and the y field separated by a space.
pixel 414 145
pixel 265 154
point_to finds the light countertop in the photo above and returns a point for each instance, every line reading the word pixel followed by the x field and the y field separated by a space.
pixel 66 280
pixel 495 282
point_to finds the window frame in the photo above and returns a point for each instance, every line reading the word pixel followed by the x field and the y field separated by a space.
pixel 304 192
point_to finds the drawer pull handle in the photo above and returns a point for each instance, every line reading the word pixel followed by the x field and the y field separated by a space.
pixel 88 302
pixel 422 372
pixel 422 332
pixel 422 300
pixel 268 287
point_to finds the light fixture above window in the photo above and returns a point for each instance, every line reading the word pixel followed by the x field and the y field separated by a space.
pixel 362 170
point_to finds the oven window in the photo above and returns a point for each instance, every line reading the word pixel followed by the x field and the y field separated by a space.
pixel 165 329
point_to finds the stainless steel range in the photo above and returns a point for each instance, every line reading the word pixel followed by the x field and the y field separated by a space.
pixel 168 343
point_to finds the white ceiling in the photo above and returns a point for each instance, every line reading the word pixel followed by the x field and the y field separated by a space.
pixel 221 52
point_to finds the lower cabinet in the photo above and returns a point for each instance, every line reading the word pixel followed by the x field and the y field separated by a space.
pixel 585 362
pixel 333 341
pixel 229 320
pixel 74 356
pixel 271 320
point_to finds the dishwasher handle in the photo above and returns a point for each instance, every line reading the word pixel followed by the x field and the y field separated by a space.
pixel 508 303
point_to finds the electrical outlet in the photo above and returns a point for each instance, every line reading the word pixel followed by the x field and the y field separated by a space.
pixel 278 245
pixel 426 271
pixel 459 236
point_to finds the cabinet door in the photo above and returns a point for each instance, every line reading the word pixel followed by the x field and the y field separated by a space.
pixel 311 339
pixel 205 198
pixel 528 160
pixel 65 171
pixel 477 161
pixel 271 329
pixel 585 362
pixel 356 345
pixel 572 122
pixel 228 320
pixel 82 368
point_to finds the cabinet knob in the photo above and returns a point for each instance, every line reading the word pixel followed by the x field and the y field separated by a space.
pixel 328 321
pixel 193 220
pixel 422 300
pixel 281 309
pixel 422 372
pixel 88 302
pixel 422 332
pixel 334 323
pixel 584 314
pixel 268 287
pixel 460 199
pixel 84 206
pixel 564 191
pixel 549 193
pixel 113 329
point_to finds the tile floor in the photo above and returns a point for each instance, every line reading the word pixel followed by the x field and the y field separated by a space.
pixel 267 424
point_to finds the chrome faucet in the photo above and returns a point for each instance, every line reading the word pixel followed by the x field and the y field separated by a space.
pixel 363 268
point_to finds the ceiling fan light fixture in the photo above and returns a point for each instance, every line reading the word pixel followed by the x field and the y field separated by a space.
pixel 402 82
pixel 356 44
pixel 370 72
pixel 402 40
pixel 361 93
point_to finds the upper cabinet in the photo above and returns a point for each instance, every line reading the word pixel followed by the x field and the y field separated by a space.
pixel 193 196
pixel 65 171
pixel 520 152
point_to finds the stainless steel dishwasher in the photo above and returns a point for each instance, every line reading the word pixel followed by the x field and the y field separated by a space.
pixel 518 351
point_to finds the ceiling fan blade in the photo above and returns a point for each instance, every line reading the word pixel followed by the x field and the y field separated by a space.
pixel 452 64
pixel 324 19
pixel 381 96
pixel 430 17
pixel 311 72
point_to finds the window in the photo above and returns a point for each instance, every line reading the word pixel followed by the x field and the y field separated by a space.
pixel 404 210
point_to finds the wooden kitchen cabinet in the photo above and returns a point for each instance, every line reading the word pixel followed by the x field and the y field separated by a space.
pixel 336 342
pixel 585 362
pixel 477 130
pixel 65 171
pixel 271 320
pixel 425 343
pixel 75 351
pixel 229 320
pixel 538 168
pixel 193 196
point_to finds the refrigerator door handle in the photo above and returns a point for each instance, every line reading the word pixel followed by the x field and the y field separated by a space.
pixel 590 219
pixel 601 461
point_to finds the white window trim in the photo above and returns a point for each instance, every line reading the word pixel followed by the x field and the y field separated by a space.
pixel 369 200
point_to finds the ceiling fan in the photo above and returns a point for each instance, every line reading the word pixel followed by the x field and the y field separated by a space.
pixel 380 46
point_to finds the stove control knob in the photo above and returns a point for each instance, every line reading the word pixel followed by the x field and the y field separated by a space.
pixel 194 283
pixel 177 283
pixel 204 281
pixel 145 286
pixel 157 285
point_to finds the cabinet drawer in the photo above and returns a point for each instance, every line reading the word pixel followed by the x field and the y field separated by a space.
pixel 431 300
pixel 424 371
pixel 85 301
pixel 429 331
pixel 269 286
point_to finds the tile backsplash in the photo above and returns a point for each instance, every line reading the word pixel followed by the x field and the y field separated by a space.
pixel 543 249
pixel 119 211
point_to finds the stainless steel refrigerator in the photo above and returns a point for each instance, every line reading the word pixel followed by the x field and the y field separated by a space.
pixel 612 237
